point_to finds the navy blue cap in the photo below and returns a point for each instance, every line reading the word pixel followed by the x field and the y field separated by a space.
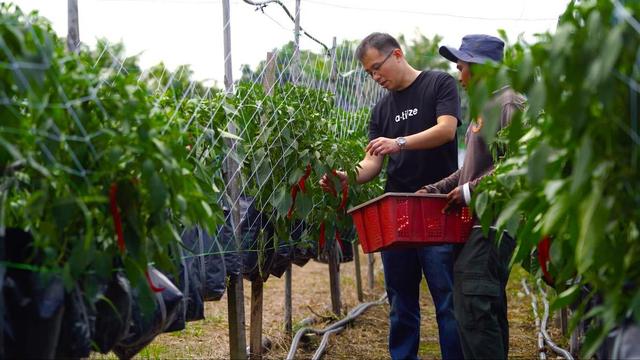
pixel 476 49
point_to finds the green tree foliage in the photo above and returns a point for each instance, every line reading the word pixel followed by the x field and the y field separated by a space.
pixel 177 83
pixel 422 53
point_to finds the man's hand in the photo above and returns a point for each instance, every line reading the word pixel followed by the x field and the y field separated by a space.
pixel 455 199
pixel 327 184
pixel 382 146
pixel 428 189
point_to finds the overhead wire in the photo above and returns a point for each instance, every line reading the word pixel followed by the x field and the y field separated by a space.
pixel 426 13
pixel 260 5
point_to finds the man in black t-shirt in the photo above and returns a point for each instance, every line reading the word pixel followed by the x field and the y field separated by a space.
pixel 415 125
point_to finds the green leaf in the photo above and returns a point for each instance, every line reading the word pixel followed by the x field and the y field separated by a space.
pixel 39 168
pixel 67 277
pixel 491 115
pixel 593 218
pixel 64 212
pixel 537 98
pixel 228 135
pixel 537 164
pixel 11 149
pixel 583 160
pixel 601 67
pixel 157 189
pixel 511 211
pixel 481 202
pixel 282 201
pixel 555 214
pixel 162 147
pixel 593 338
pixel 304 205
pixel 552 188
pixel 566 298
pixel 295 175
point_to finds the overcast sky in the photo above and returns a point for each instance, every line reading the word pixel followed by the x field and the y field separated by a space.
pixel 190 31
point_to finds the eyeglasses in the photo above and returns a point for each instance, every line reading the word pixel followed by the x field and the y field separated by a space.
pixel 376 67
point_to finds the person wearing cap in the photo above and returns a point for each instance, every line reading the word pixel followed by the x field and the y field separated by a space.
pixel 414 124
pixel 481 268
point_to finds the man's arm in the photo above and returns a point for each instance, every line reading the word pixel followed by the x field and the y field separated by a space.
pixel 443 186
pixel 439 134
pixel 369 168
pixel 461 195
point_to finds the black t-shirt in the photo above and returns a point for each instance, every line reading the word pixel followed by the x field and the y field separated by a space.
pixel 410 111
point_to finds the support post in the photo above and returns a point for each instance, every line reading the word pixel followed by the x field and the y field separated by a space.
pixel 295 69
pixel 235 292
pixel 333 77
pixel 356 260
pixel 255 334
pixel 73 34
pixel 257 286
pixel 288 303
pixel 334 276
pixel 564 321
pixel 370 267
pixel 295 75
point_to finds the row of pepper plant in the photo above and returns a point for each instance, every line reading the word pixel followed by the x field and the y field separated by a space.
pixel 571 170
pixel 89 167
pixel 105 164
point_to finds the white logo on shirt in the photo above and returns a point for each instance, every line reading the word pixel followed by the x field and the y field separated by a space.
pixel 406 114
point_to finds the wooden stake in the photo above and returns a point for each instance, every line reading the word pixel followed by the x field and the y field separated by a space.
pixel 73 34
pixel 371 263
pixel 235 292
pixel 255 335
pixel 334 277
pixel 356 258
pixel 288 303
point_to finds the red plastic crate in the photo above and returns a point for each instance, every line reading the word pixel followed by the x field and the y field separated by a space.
pixel 397 220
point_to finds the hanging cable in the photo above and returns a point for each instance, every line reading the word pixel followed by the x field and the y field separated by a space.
pixel 260 5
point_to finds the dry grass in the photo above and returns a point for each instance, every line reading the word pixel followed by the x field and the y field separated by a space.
pixel 365 338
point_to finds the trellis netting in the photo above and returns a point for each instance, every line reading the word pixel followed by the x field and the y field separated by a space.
pixel 108 168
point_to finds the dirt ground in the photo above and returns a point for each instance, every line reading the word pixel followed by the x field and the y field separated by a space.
pixel 365 338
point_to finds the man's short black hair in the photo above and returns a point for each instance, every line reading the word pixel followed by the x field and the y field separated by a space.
pixel 382 42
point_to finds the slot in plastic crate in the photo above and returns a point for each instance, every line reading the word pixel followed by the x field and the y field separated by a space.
pixel 397 220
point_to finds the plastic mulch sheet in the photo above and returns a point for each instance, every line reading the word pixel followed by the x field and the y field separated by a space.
pixel 34 302
pixel 144 329
pixel 257 242
pixel 113 313
pixel 75 332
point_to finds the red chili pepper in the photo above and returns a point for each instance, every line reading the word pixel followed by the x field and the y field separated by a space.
pixel 115 214
pixel 544 249
pixel 345 192
pixel 151 286
pixel 303 179
pixel 333 192
pixel 345 195
pixel 321 240
pixel 331 189
pixel 296 187
pixel 294 194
